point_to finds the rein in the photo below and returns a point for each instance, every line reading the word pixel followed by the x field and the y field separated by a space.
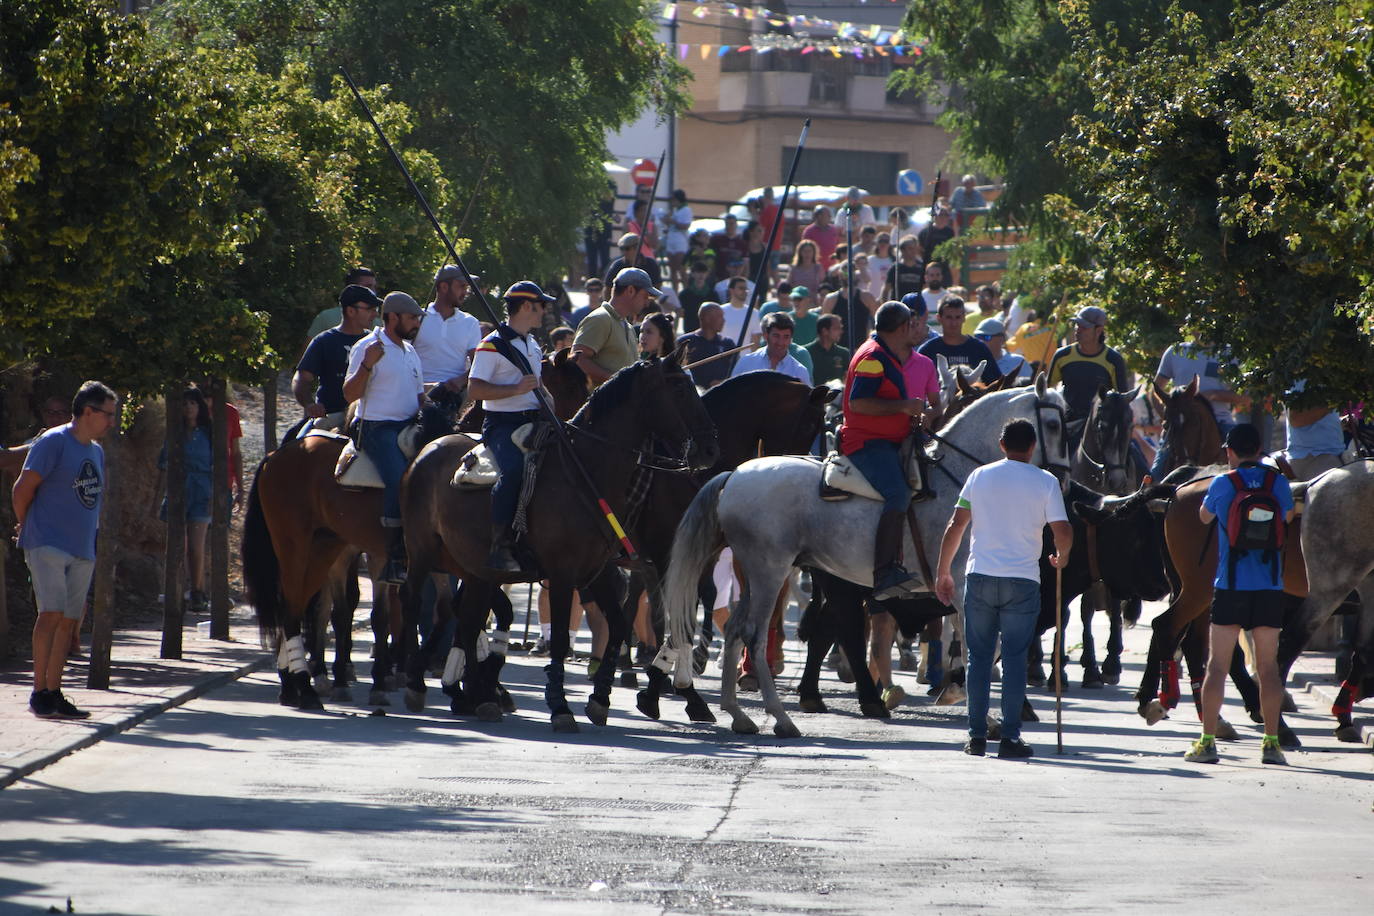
pixel 1045 463
pixel 644 458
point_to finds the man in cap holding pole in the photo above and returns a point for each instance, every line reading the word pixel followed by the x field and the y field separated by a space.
pixel 505 374
pixel 385 377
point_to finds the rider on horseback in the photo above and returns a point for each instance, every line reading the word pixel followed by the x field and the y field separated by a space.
pixel 390 392
pixel 505 372
pixel 877 418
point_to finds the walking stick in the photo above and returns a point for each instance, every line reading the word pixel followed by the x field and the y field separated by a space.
pixel 1058 656
pixel 761 274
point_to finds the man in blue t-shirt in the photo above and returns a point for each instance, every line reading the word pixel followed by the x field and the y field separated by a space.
pixel 57 512
pixel 1248 596
pixel 955 346
pixel 318 382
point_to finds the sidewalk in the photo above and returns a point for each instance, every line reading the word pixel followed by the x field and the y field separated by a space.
pixel 141 686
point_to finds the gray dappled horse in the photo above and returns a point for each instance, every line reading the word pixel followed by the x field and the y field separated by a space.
pixel 770 512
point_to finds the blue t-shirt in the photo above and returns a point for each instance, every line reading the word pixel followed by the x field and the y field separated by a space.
pixel 1253 573
pixel 65 512
pixel 327 359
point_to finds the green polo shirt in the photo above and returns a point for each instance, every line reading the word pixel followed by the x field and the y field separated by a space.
pixel 610 336
pixel 829 364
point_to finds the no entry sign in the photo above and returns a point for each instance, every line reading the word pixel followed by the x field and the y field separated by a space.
pixel 643 172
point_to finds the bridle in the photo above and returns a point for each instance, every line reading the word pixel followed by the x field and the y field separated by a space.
pixel 1105 467
pixel 1045 463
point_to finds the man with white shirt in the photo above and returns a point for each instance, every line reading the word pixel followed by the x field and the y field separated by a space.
pixel 735 307
pixel 448 336
pixel 776 356
pixel 384 376
pixel 854 213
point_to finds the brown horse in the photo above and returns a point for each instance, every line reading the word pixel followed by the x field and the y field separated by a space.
pixel 447 528
pixel 1190 434
pixel 299 522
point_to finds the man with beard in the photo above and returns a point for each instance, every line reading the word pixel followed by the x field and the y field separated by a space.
pixel 384 374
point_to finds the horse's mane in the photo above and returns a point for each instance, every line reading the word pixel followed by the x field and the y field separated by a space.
pixel 980 405
pixel 742 386
pixel 616 390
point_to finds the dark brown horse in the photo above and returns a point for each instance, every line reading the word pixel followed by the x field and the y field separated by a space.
pixel 1190 434
pixel 447 528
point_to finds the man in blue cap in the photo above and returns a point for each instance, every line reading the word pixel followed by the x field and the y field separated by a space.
pixel 504 375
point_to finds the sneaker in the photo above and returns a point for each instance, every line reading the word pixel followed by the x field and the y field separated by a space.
pixel 63 708
pixel 1014 749
pixel 893 696
pixel 42 705
pixel 1272 753
pixel 541 647
pixel 1203 752
pixel 976 747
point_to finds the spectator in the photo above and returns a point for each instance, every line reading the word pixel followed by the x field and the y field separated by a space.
pixel 594 289
pixel 57 511
pixel 656 337
pixel 697 290
pixel 758 251
pixel 597 234
pixel 1181 362
pixel 807 270
pixel 447 338
pixel 967 202
pixel 722 289
pixel 199 489
pixel 919 316
pixel 699 250
pixel 1035 341
pixel 940 230
pixel 934 291
pixel 823 232
pixel 605 342
pixel 776 356
pixel 330 317
pixel 707 341
pixel 880 261
pixel 730 247
pixel 868 238
pixel 640 222
pixel 677 244
pixel 735 308
pixel 768 211
pixel 900 224
pixel 631 255
pixel 828 359
pixel 318 382
pixel 955 346
pixel 909 273
pixel 1315 440
pixel 857 316
pixel 561 338
pixel 989 306
pixel 993 333
pixel 1085 365
pixel 804 316
pixel 854 213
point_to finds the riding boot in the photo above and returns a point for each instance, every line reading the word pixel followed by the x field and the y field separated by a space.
pixel 394 573
pixel 890 579
pixel 924 491
pixel 502 556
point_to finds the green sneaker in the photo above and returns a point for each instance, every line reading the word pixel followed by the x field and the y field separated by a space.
pixel 1202 752
pixel 1271 753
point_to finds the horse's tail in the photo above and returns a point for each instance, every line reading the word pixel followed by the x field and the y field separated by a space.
pixel 261 573
pixel 698 538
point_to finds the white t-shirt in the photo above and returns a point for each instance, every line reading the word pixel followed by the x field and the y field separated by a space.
pixel 734 320
pixel 677 242
pixel 723 290
pixel 1011 502
pixel 444 344
pixel 862 216
pixel 758 361
pixel 877 274
pixel 490 366
pixel 395 383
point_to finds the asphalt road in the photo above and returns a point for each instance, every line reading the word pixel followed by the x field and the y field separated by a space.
pixel 232 804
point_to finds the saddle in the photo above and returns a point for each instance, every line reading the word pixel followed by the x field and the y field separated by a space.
pixel 477 470
pixel 354 470
pixel 841 479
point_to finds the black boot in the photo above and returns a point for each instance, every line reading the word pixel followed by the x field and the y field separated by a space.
pixel 394 573
pixel 890 579
pixel 503 550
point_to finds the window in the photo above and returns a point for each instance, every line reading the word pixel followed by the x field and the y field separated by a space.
pixel 874 171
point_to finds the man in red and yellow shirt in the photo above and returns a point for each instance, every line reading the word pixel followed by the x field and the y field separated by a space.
pixel 877 418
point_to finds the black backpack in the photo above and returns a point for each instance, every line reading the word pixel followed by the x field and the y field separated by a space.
pixel 1254 522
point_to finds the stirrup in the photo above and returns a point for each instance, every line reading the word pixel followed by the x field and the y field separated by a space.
pixel 900 583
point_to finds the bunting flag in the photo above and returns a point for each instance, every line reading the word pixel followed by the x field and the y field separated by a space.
pixel 859 39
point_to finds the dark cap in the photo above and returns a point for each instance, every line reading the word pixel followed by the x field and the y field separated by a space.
pixel 354 294
pixel 1243 439
pixel 891 316
pixel 399 303
pixel 527 289
pixel 1090 316
pixel 452 272
pixel 633 276
pixel 917 303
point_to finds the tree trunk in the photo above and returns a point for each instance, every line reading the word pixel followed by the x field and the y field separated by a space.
pixel 173 604
pixel 5 486
pixel 269 414
pixel 106 555
pixel 219 515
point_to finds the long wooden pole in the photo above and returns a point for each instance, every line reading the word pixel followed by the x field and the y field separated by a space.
pixel 1059 657
pixel 721 355
pixel 219 513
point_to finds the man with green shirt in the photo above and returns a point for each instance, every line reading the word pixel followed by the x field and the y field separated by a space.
pixel 803 316
pixel 605 342
pixel 829 360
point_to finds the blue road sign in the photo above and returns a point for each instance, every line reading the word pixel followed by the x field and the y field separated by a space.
pixel 909 182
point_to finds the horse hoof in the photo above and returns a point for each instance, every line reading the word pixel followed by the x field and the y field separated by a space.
pixel 907 661
pixel 743 725
pixel 698 711
pixel 1028 712
pixel 1349 734
pixel 489 712
pixel 322 682
pixel 811 704
pixel 378 697
pixel 1035 677
pixel 1111 677
pixel 700 656
pixel 506 700
pixel 1226 731
pixel 564 723
pixel 1288 704
pixel 1153 711
pixel 597 711
pixel 629 679
pixel 874 710
pixel 748 682
pixel 1288 739
pixel 415 700
pixel 341 694
pixel 310 702
pixel 843 671
pixel 461 707
pixel 287 699
pixel 647 702
pixel 784 728
pixel 1093 680
pixel 951 695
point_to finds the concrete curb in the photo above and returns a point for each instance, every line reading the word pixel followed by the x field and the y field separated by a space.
pixel 1325 693
pixel 34 761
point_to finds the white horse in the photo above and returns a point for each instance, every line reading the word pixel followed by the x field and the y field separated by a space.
pixel 770 512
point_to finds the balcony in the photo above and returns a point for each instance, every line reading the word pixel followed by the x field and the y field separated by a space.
pixel 764 89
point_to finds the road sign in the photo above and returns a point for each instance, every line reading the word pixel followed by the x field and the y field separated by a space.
pixel 909 182
pixel 643 172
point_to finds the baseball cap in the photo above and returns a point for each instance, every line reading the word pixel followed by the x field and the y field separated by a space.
pixel 799 292
pixel 399 303
pixel 628 239
pixel 916 302
pixel 527 289
pixel 354 294
pixel 1243 439
pixel 1091 316
pixel 633 276
pixel 452 272
pixel 990 327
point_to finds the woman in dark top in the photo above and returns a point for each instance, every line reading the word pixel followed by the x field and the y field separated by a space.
pixel 656 337
pixel 199 489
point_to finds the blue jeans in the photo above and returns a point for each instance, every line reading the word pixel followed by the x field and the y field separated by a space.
pixel 994 605
pixel 880 462
pixel 510 461
pixel 378 442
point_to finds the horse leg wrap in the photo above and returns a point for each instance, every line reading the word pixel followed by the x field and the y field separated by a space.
pixel 1168 691
pixel 483 647
pixel 1345 701
pixel 454 667
pixel 499 642
pixel 294 649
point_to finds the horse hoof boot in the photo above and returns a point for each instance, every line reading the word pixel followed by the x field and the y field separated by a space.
pixel 506 700
pixel 698 711
pixel 1288 704
pixel 1226 731
pixel 1093 680
pixel 565 724
pixel 1153 712
pixel 629 679
pixel 1349 734
pixel 743 725
pixel 377 697
pixel 597 711
pixel 647 702
pixel 415 700
pixel 341 694
pixel 1288 739
pixel 1028 712
pixel 489 711
pixel 875 710
pixel 784 728
pixel 811 704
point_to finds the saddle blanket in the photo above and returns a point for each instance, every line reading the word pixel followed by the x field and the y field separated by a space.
pixel 478 469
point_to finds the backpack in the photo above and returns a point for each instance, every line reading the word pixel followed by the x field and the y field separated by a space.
pixel 1254 522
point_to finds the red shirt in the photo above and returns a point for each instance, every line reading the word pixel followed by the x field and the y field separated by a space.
pixel 873 373
pixel 766 217
pixel 826 238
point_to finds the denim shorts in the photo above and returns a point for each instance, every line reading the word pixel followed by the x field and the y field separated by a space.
pixel 60 580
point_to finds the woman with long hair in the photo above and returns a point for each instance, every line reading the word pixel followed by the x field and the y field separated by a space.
pixel 806 267
pixel 879 262
pixel 198 463
pixel 656 337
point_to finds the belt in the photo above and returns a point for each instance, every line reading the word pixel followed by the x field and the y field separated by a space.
pixel 532 414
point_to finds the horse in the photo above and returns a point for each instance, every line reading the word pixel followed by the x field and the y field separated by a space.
pixel 568 529
pixel 1190 434
pixel 771 513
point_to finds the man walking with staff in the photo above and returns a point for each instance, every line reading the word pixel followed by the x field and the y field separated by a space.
pixel 1008 503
